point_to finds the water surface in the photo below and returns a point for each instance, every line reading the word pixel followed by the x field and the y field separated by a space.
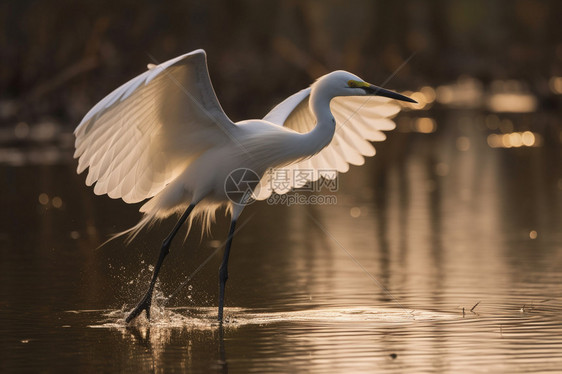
pixel 441 254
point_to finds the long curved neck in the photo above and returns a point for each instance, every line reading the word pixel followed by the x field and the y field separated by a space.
pixel 322 134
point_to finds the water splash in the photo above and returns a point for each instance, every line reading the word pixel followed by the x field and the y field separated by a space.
pixel 203 318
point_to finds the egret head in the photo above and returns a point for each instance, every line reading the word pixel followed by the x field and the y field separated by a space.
pixel 343 83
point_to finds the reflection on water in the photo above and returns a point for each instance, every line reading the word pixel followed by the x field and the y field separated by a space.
pixel 442 254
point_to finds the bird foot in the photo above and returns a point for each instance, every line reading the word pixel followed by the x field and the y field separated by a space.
pixel 144 304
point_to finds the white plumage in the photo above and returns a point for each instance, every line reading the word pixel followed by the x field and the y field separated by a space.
pixel 358 121
pixel 163 136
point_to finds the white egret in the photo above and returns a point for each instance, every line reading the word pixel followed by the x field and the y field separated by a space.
pixel 163 136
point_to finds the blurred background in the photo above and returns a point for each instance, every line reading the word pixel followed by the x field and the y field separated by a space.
pixel 58 58
pixel 459 211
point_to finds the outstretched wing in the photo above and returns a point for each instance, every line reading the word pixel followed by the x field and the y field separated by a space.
pixel 359 121
pixel 145 133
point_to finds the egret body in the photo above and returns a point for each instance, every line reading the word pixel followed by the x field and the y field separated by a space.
pixel 163 136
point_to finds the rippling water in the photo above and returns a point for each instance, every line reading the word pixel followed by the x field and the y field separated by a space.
pixel 441 254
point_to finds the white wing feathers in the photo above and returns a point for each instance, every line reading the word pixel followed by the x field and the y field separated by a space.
pixel 359 119
pixel 287 107
pixel 142 135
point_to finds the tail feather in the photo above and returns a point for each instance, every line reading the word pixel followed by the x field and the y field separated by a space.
pixel 203 214
pixel 132 232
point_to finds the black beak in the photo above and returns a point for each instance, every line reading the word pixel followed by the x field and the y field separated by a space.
pixel 379 91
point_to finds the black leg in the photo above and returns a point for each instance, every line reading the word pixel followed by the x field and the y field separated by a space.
pixel 146 301
pixel 223 270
